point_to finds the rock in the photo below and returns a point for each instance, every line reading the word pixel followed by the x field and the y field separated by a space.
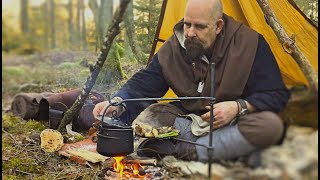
pixel 297 157
pixel 189 168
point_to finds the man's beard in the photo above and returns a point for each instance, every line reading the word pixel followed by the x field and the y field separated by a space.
pixel 194 48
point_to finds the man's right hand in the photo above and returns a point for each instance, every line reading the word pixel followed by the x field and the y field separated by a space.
pixel 100 108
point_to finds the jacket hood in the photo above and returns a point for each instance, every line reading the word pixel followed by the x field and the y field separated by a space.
pixel 222 41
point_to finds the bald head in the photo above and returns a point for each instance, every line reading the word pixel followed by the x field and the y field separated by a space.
pixel 202 22
pixel 213 8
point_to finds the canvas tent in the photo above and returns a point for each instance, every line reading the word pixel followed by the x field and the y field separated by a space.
pixel 249 12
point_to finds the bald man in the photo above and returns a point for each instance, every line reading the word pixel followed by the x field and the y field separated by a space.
pixel 249 89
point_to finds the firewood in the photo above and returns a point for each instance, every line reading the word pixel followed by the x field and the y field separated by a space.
pixel 108 163
pixel 142 161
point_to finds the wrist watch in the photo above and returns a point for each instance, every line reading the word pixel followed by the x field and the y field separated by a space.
pixel 244 109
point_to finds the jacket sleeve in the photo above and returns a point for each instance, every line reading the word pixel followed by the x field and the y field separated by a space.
pixel 147 82
pixel 265 88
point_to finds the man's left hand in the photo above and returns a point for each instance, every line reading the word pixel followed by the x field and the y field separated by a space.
pixel 223 112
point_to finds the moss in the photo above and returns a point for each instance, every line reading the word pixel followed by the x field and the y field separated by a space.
pixel 35 125
pixel 120 50
pixel 10 121
pixel 79 138
pixel 13 124
pixel 24 164
pixel 43 177
pixel 84 73
pixel 9 177
pixel 83 62
pixel 7 148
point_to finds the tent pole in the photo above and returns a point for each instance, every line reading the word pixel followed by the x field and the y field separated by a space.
pixel 210 148
pixel 156 39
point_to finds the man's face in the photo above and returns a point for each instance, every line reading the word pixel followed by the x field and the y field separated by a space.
pixel 199 24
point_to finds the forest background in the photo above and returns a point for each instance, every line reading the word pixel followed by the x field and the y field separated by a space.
pixel 75 28
pixel 50 46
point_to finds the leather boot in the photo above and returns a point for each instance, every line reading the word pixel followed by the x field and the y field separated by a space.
pixel 160 148
pixel 85 119
pixel 59 103
pixel 28 105
pixel 186 151
pixel 67 97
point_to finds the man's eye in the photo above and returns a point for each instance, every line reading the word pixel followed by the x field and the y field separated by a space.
pixel 200 26
pixel 187 24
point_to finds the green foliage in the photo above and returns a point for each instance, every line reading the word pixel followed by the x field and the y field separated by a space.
pixel 10 177
pixel 10 121
pixel 8 34
pixel 112 70
pixel 24 164
pixel 7 146
pixel 120 50
pixel 79 138
pixel 35 125
pixel 14 124
pixel 147 12
pixel 68 65
pixel 19 43
pixel 83 62
pixel 13 71
pixel 39 77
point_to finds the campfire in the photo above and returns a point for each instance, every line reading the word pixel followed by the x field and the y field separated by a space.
pixel 122 167
pixel 127 169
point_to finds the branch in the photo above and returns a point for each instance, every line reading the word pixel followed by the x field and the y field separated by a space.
pixel 113 31
pixel 289 45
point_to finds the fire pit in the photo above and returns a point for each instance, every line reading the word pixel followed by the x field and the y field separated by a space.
pixel 122 167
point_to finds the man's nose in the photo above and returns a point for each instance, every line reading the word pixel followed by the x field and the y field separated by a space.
pixel 191 32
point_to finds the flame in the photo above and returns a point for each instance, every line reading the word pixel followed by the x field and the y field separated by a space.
pixel 135 169
pixel 118 166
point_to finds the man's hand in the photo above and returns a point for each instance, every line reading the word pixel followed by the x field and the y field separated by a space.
pixel 100 108
pixel 223 112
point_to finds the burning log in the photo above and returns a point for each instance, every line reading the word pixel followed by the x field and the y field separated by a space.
pixel 108 163
pixel 142 161
pixel 128 168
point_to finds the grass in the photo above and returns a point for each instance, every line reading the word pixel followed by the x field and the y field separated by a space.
pixel 22 157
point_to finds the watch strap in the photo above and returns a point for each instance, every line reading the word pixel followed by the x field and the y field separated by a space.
pixel 244 108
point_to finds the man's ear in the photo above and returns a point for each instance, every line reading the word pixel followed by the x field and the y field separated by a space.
pixel 220 24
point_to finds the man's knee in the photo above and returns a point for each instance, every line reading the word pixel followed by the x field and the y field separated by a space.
pixel 261 129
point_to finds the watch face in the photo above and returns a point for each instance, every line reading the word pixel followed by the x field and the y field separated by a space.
pixel 244 112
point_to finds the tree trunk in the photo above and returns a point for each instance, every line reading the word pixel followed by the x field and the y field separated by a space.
pixel 105 16
pixel 24 18
pixel 93 5
pixel 78 26
pixel 130 32
pixel 290 46
pixel 152 15
pixel 113 31
pixel 52 24
pixel 70 24
pixel 83 27
pixel 46 24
